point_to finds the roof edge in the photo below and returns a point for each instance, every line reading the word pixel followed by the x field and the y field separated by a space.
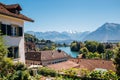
pixel 30 20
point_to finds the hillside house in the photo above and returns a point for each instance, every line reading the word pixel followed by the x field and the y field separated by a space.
pixel 45 58
pixel 12 27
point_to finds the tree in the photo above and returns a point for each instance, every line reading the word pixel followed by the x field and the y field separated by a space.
pixel 5 63
pixel 84 51
pixel 30 38
pixel 95 55
pixel 91 46
pixel 108 46
pixel 74 46
pixel 117 62
pixel 101 48
pixel 9 70
pixel 3 49
pixel 108 54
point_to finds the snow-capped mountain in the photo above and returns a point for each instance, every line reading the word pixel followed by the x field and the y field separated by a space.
pixel 59 36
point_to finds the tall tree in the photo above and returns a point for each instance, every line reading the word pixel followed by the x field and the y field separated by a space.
pixel 117 62
pixel 101 48
pixel 91 46
pixel 3 48
pixel 84 51
pixel 5 63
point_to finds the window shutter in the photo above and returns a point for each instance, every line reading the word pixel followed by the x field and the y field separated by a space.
pixel 0 28
pixel 16 53
pixel 3 29
pixel 10 54
pixel 20 31
pixel 9 30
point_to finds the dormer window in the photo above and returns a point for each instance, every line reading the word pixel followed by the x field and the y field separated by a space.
pixel 15 8
pixel 17 12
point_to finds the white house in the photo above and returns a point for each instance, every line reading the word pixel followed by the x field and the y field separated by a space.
pixel 12 27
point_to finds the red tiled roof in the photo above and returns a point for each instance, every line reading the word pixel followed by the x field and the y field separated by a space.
pixel 35 56
pixel 91 64
pixel 13 6
pixel 63 65
pixel 49 55
pixel 5 10
pixel 45 55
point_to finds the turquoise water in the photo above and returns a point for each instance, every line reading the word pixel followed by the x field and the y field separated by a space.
pixel 68 51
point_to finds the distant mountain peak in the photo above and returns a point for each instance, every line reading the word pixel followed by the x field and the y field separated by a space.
pixel 108 31
pixel 110 24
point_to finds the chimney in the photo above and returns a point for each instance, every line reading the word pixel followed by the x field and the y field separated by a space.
pixel 59 50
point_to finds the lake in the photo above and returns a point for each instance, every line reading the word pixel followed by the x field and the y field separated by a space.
pixel 68 51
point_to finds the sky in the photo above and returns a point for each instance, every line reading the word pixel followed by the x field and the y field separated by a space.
pixel 68 15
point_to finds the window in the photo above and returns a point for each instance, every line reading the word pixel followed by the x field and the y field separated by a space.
pixel 14 31
pixel 13 52
pixel 11 30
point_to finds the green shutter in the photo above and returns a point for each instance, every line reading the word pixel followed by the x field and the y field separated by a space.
pixel 3 29
pixel 9 30
pixel 0 27
pixel 16 52
pixel 20 31
pixel 10 52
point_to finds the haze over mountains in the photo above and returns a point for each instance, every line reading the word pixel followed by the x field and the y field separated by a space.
pixel 108 31
pixel 59 37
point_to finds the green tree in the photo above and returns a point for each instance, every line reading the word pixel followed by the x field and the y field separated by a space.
pixel 30 38
pixel 108 46
pixel 91 46
pixel 46 71
pixel 3 49
pixel 117 62
pixel 74 46
pixel 101 48
pixel 109 54
pixel 84 51
pixel 118 44
pixel 8 69
pixel 95 55
pixel 5 63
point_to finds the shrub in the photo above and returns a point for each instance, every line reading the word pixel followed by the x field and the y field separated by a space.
pixel 46 71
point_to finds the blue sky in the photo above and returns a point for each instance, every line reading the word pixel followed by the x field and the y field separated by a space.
pixel 65 15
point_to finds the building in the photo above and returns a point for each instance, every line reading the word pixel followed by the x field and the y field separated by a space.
pixel 63 65
pixel 89 64
pixel 45 58
pixel 94 64
pixel 12 27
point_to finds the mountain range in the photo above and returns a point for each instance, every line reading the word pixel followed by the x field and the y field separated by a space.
pixel 59 37
pixel 108 31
